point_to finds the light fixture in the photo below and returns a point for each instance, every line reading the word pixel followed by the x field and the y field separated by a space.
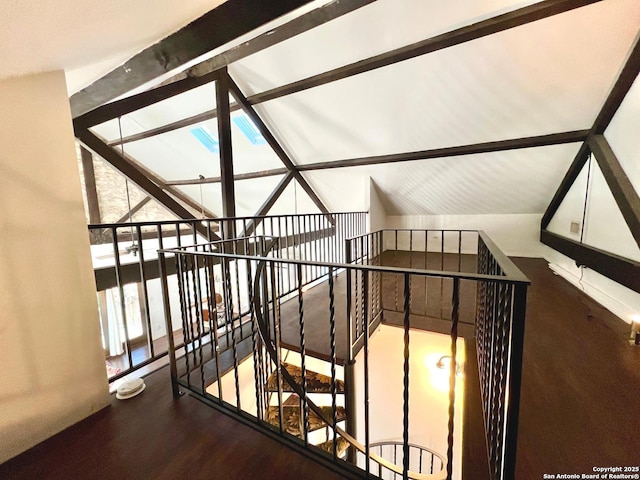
pixel 444 363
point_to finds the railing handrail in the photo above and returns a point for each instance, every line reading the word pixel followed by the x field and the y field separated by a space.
pixel 214 220
pixel 443 461
pixel 508 267
pixel 511 272
pixel 288 378
pixel 339 266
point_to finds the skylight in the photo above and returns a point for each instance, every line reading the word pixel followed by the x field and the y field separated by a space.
pixel 205 138
pixel 249 129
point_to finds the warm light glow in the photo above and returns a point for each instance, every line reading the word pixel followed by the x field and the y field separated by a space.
pixel 635 319
pixel 439 369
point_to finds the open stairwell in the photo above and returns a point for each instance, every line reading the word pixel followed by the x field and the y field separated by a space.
pixel 293 418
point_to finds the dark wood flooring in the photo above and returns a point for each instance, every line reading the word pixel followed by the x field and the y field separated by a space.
pixel 579 409
pixel 580 397
pixel 154 437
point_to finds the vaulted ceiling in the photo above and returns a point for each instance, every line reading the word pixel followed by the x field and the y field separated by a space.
pixel 546 77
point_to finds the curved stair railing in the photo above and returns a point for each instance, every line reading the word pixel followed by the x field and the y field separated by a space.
pixel 284 376
pixel 421 458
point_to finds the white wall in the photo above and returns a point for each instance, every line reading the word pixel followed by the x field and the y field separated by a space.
pixel 515 234
pixel 428 391
pixel 373 203
pixel 52 369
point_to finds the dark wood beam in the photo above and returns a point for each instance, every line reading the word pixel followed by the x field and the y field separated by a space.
pixel 323 14
pixel 226 150
pixel 221 25
pixel 503 22
pixel 268 203
pixel 487 147
pixel 619 269
pixel 89 175
pixel 141 100
pixel 621 188
pixel 135 174
pixel 275 146
pixel 135 209
pixel 572 173
pixel 500 23
pixel 173 191
pixel 237 176
pixel 627 76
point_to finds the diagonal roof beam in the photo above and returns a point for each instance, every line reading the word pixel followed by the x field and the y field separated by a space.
pixel 623 84
pixel 141 100
pixel 135 209
pixel 273 143
pixel 319 16
pixel 268 203
pixel 620 88
pixel 224 23
pixel 572 173
pixel 623 192
pixel 152 186
pixel 500 23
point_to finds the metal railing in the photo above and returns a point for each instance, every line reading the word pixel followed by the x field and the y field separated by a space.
pixel 320 326
pixel 495 319
pixel 125 255
pixel 421 459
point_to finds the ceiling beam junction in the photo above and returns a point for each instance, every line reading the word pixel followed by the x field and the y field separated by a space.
pixel 275 146
pixel 623 192
pixel 139 176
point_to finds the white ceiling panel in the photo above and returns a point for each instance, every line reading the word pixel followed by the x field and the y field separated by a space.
pixel 208 194
pixel 250 194
pixel 293 200
pixel 545 77
pixel 517 181
pixel 625 146
pixel 177 155
pixel 172 109
pixel 377 28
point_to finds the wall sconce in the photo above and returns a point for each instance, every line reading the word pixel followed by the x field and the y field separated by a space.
pixel 444 363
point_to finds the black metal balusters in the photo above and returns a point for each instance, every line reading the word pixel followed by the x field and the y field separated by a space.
pixel 332 341
pixel 453 370
pixel 303 400
pixel 365 323
pixel 405 393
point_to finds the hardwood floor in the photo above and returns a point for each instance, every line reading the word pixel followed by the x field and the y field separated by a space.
pixel 579 403
pixel 154 437
pixel 580 392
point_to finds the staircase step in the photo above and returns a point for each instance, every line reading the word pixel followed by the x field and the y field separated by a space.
pixel 291 421
pixel 341 446
pixel 316 382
